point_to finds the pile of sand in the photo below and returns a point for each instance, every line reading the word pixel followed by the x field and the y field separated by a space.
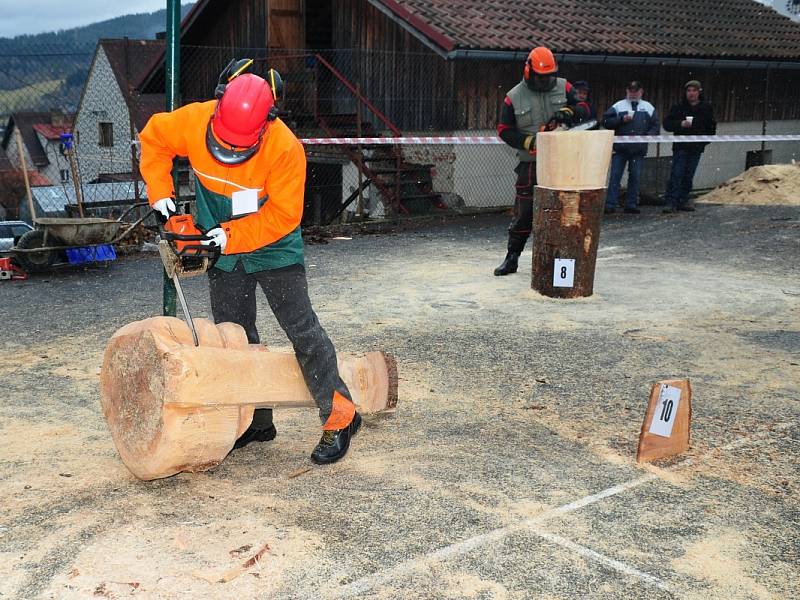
pixel 768 184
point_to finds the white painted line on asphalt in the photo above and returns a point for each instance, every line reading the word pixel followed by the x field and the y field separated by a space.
pixel 378 578
pixel 602 558
pixel 364 584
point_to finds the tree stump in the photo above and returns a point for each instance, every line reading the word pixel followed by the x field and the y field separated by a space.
pixel 172 406
pixel 566 228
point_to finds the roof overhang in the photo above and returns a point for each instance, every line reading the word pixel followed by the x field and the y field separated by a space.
pixel 611 59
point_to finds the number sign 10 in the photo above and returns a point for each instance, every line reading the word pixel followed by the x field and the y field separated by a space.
pixel 666 408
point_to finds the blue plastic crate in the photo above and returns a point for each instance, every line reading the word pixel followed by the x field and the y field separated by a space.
pixel 82 256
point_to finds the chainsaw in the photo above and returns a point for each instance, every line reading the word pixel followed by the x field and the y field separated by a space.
pixel 553 125
pixel 184 255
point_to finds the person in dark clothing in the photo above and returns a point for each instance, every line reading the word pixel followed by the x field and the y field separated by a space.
pixel 691 116
pixel 582 92
pixel 539 102
pixel 631 116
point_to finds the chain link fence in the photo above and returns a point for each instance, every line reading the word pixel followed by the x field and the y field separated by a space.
pixel 103 96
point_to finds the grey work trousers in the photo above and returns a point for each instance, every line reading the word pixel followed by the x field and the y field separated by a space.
pixel 233 299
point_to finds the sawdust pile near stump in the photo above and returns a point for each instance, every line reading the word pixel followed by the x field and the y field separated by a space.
pixel 767 184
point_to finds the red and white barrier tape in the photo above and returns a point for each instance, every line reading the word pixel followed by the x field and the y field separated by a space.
pixel 493 140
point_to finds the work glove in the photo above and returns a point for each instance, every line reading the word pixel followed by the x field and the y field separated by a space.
pixel 564 115
pixel 530 144
pixel 216 237
pixel 165 207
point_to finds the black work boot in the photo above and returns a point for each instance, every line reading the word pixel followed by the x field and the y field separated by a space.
pixel 509 264
pixel 334 443
pixel 261 429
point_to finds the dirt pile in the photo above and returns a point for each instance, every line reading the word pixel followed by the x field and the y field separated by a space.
pixel 767 184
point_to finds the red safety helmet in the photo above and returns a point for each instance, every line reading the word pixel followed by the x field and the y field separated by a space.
pixel 242 112
pixel 540 62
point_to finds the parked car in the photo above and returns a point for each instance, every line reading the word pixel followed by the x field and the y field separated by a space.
pixel 10 232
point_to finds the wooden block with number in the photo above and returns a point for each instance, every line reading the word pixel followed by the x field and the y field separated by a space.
pixel 665 430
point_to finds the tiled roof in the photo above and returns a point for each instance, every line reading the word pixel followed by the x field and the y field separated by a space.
pixel 25 122
pixel 36 179
pixel 53 132
pixel 141 58
pixel 730 29
pixel 145 106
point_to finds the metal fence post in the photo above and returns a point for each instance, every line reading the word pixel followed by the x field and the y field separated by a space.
pixel 173 62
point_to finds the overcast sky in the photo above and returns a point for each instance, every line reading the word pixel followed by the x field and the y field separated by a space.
pixel 35 16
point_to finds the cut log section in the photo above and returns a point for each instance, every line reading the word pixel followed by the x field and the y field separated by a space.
pixel 174 407
pixel 566 226
pixel 574 160
pixel 667 421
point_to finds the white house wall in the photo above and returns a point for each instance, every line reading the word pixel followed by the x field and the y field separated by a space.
pixel 58 161
pixel 102 102
pixel 13 154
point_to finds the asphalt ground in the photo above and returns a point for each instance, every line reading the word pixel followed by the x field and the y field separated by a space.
pixel 508 470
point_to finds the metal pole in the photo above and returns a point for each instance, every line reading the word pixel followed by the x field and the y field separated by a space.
pixel 764 120
pixel 132 130
pixel 173 77
pixel 360 205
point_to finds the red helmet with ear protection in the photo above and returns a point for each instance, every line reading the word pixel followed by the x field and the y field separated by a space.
pixel 242 112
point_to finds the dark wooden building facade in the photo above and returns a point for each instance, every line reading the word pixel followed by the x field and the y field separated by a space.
pixel 408 74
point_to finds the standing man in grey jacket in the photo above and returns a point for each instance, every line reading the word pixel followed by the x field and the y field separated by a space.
pixel 539 102
pixel 631 116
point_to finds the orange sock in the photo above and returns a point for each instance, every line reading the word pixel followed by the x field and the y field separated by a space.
pixel 342 414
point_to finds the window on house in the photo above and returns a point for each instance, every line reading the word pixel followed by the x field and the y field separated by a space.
pixel 106 135
pixel 64 175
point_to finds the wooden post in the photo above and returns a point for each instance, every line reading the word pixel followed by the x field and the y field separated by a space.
pixel 571 171
pixel 73 165
pixel 21 151
pixel 172 406
pixel 665 429
pixel 566 228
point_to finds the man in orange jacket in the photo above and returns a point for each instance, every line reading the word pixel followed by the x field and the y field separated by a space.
pixel 249 172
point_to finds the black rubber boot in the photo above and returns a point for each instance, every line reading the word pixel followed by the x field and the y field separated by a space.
pixel 509 265
pixel 260 430
pixel 334 444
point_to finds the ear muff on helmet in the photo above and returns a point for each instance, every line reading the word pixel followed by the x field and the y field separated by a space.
pixel 231 72
pixel 275 82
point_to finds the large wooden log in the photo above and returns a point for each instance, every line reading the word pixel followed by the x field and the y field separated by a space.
pixel 571 173
pixel 566 226
pixel 174 407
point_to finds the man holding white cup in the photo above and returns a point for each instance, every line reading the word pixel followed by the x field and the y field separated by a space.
pixel 691 116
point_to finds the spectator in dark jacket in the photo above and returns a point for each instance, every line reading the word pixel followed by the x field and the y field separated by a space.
pixel 582 92
pixel 631 116
pixel 691 116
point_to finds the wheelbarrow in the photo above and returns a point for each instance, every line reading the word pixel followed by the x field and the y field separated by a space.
pixel 39 248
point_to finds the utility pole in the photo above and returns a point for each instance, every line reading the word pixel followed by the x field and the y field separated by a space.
pixel 173 77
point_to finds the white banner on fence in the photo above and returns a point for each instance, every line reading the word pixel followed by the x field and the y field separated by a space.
pixel 493 140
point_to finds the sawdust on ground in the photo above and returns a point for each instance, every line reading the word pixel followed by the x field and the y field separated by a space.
pixel 766 184
pixel 718 559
